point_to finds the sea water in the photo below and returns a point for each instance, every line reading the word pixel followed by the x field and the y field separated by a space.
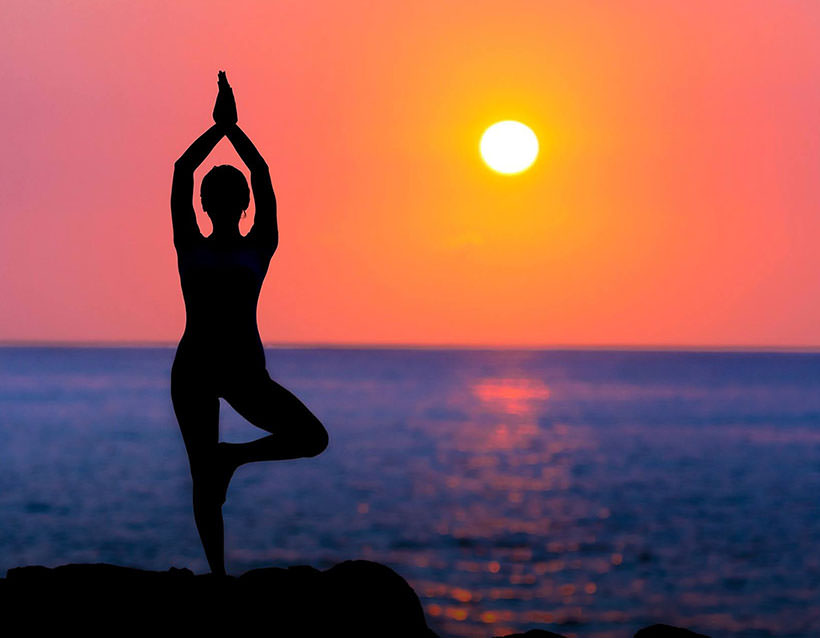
pixel 585 492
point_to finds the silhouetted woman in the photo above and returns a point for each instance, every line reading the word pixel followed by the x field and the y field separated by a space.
pixel 220 353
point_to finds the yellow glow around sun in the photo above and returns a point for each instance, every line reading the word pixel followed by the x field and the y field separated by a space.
pixel 509 147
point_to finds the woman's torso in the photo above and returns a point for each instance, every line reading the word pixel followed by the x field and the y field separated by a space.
pixel 221 281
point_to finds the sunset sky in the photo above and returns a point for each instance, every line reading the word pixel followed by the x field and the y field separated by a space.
pixel 675 199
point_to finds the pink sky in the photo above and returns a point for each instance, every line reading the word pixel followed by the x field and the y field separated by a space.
pixel 675 200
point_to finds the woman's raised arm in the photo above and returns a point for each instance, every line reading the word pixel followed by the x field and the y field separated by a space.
pixel 264 228
pixel 182 189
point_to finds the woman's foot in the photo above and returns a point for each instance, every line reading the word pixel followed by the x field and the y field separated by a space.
pixel 225 467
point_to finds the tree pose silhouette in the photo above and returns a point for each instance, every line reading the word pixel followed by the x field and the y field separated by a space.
pixel 220 353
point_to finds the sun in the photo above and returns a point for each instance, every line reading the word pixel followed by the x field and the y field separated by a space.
pixel 509 147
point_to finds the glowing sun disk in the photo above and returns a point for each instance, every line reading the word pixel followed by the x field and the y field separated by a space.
pixel 509 147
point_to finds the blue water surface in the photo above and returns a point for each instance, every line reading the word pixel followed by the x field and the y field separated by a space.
pixel 585 492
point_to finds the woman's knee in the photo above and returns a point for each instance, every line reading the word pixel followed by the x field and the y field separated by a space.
pixel 318 441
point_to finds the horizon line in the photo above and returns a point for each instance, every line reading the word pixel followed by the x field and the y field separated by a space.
pixel 319 345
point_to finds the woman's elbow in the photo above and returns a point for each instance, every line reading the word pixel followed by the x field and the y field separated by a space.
pixel 183 164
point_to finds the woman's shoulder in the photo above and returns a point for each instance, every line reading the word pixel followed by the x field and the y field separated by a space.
pixel 188 242
pixel 260 245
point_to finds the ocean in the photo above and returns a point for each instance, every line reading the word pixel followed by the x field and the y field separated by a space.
pixel 588 492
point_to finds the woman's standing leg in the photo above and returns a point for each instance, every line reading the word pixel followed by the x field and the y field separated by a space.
pixel 197 411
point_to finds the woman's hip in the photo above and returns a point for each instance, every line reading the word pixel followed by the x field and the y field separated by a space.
pixel 217 374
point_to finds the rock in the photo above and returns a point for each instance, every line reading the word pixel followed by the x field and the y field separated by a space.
pixel 667 631
pixel 534 633
pixel 357 598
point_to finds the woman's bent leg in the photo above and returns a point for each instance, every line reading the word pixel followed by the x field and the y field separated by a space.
pixel 295 430
pixel 197 412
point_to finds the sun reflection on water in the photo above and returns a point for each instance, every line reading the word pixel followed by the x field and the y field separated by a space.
pixel 507 472
pixel 513 395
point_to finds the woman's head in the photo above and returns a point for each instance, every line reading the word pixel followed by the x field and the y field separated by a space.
pixel 225 194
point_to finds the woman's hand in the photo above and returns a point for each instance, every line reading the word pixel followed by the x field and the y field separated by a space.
pixel 225 107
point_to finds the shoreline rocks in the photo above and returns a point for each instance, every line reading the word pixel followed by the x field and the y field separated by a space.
pixel 355 597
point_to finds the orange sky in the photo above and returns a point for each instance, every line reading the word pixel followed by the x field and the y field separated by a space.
pixel 675 200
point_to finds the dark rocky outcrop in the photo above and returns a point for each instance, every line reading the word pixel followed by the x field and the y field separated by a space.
pixel 534 633
pixel 355 598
